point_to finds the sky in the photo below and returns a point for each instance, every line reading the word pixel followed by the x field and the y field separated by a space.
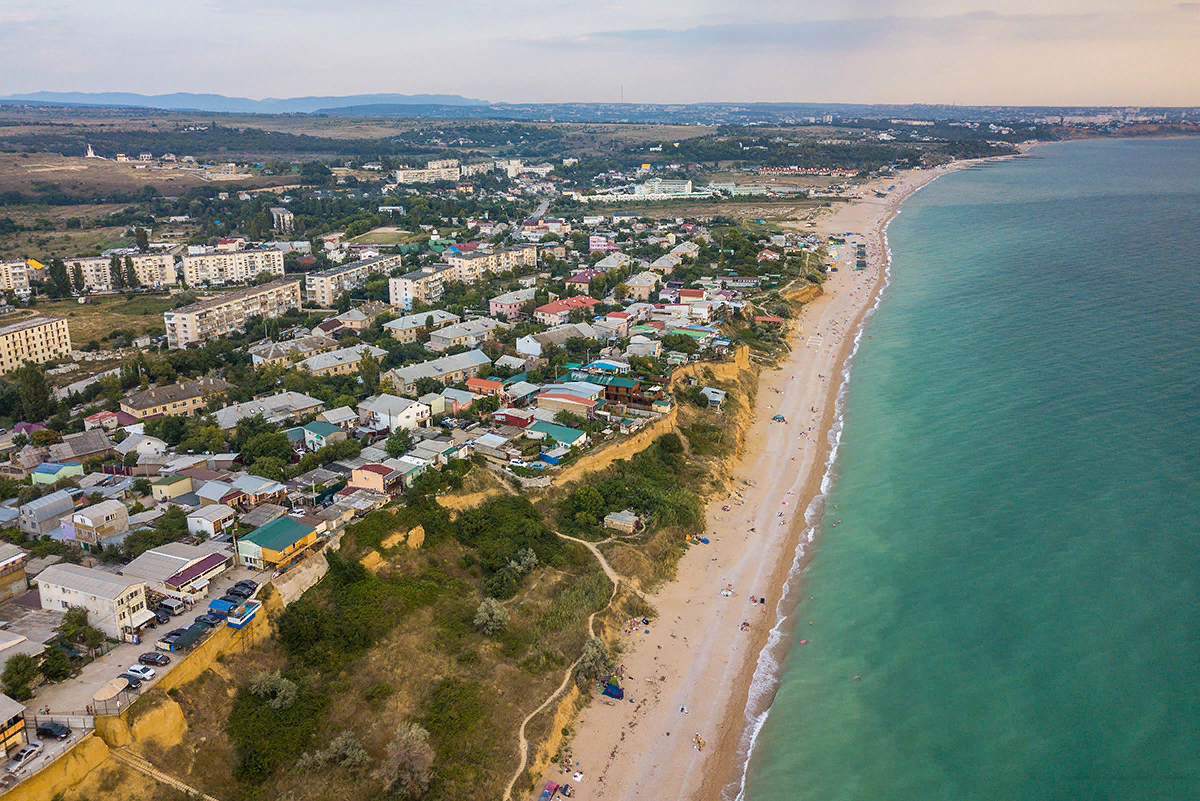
pixel 974 52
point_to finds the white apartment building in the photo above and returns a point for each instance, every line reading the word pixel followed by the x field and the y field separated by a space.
pixel 424 285
pixel 116 605
pixel 444 170
pixel 473 266
pixel 152 270
pixel 326 286
pixel 14 277
pixel 212 318
pixel 240 266
pixel 38 340
pixel 282 220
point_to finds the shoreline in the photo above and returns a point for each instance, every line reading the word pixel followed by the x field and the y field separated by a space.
pixel 697 671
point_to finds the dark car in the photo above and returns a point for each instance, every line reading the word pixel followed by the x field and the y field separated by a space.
pixel 211 620
pixel 162 616
pixel 240 592
pixel 233 598
pixel 175 633
pixel 135 682
pixel 153 658
pixel 248 584
pixel 50 729
pixel 203 623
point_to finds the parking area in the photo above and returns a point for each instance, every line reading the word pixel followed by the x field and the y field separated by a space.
pixel 51 750
pixel 74 696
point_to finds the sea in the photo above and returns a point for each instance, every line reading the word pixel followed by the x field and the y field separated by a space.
pixel 1003 599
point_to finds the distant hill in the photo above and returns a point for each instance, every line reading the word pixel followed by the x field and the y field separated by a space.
pixel 186 101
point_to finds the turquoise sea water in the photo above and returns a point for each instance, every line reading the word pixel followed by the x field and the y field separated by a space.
pixel 1016 577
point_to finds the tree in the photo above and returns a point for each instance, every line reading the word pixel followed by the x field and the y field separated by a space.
pixel 343 303
pixel 491 618
pixel 142 486
pixel 595 663
pixel 45 436
pixel 368 370
pixel 116 273
pixel 59 277
pixel 399 443
pixel 77 277
pixel 34 393
pixel 131 276
pixel 426 385
pixel 56 665
pixel 278 692
pixel 19 672
pixel 142 237
pixel 622 291
pixel 409 760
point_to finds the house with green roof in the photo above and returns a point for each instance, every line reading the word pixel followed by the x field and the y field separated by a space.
pixel 275 544
pixel 318 434
pixel 560 434
pixel 168 487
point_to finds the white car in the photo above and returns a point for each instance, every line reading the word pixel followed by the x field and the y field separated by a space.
pixel 24 756
pixel 143 672
pixel 516 462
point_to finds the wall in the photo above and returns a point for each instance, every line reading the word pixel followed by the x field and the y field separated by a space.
pixel 64 773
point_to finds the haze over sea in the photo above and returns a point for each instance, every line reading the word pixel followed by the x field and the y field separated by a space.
pixel 1016 574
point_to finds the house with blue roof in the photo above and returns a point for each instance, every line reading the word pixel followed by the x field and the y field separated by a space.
pixel 50 472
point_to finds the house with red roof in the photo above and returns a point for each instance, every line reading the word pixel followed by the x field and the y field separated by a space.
pixel 559 311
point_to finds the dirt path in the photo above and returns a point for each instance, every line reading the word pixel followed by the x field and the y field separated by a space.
pixel 617 581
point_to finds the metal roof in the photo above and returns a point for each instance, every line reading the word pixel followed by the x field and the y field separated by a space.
pixel 86 580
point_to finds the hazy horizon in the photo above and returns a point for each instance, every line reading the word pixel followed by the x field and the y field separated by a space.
pixel 1051 52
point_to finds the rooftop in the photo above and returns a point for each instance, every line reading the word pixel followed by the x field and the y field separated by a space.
pixel 278 534
pixel 86 580
pixel 173 393
pixel 25 325
pixel 230 297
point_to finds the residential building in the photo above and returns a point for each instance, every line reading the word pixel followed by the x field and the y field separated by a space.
pixel 170 487
pixel 565 402
pixel 441 170
pixel 185 398
pixel 642 285
pixel 14 277
pixel 412 327
pixel 226 314
pixel 179 570
pixel 151 269
pixel 51 472
pixel 340 362
pixel 446 370
pixel 41 516
pixel 273 408
pixel 115 604
pixel 326 286
pixel 263 354
pixel 343 417
pixel 275 544
pixel 557 312
pixel 659 186
pixel 392 412
pixel 237 267
pixel 423 285
pixel 282 220
pixel 95 525
pixel 509 304
pixel 613 261
pixel 469 333
pixel 560 434
pixel 81 447
pixel 38 340
pixel 210 521
pixel 318 434
pixel 473 266
pixel 360 318
pixel 13 581
pixel 377 477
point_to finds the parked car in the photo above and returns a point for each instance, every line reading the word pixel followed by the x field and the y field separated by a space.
pixel 172 606
pixel 516 462
pixel 162 616
pixel 239 592
pixel 152 658
pixel 22 757
pixel 212 621
pixel 249 584
pixel 134 682
pixel 142 672
pixel 50 729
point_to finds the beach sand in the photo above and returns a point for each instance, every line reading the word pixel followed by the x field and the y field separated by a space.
pixel 697 654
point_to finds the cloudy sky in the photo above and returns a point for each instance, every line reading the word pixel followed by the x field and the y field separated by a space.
pixel 1125 52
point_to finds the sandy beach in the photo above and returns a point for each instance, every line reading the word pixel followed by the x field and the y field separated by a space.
pixel 691 674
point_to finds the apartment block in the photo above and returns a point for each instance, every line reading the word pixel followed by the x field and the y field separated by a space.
pixel 473 266
pixel 282 220
pixel 38 340
pixel 424 285
pixel 14 277
pixel 443 170
pixel 226 314
pixel 413 326
pixel 216 269
pixel 185 398
pixel 151 269
pixel 326 286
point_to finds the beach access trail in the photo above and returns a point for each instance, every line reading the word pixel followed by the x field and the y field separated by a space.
pixel 691 673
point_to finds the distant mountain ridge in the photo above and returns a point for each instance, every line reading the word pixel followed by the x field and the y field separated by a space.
pixel 187 101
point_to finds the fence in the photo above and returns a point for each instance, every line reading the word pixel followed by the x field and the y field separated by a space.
pixel 75 721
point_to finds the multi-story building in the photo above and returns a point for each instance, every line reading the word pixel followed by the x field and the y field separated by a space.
pixel 424 285
pixel 266 353
pixel 559 311
pixel 151 269
pixel 473 266
pixel 282 220
pixel 116 605
pixel 14 277
pixel 509 304
pixel 226 314
pixel 342 361
pixel 412 327
pixel 470 333
pixel 236 267
pixel 38 340
pixel 326 286
pixel 184 398
pixel 443 170
pixel 96 524
pixel 446 369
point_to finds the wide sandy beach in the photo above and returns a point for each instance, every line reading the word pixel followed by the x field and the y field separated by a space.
pixel 692 673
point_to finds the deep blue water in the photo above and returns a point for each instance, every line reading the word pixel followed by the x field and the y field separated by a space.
pixel 1016 577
